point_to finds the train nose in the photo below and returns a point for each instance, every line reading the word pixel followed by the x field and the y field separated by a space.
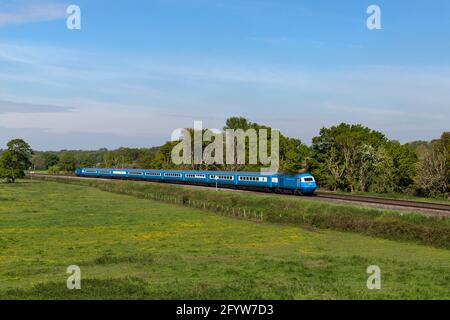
pixel 309 189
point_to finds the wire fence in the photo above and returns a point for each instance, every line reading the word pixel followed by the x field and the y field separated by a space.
pixel 238 212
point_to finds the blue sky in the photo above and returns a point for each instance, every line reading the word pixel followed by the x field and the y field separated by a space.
pixel 137 70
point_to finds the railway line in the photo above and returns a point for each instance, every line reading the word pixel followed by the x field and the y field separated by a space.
pixel 439 209
pixel 389 202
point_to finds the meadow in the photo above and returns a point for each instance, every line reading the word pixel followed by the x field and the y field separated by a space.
pixel 285 209
pixel 135 248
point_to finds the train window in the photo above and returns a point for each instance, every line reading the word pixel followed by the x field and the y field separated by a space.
pixel 136 173
pixel 174 175
pixel 309 179
pixel 154 174
pixel 196 176
pixel 90 171
pixel 221 177
pixel 105 172
pixel 256 179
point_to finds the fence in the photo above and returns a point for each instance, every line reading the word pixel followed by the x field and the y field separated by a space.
pixel 245 213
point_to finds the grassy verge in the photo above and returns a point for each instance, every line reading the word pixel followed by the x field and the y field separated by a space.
pixel 289 210
pixel 130 248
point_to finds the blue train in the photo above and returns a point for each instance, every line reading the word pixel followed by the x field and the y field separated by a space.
pixel 303 183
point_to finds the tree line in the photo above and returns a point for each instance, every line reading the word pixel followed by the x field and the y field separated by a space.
pixel 344 157
pixel 356 158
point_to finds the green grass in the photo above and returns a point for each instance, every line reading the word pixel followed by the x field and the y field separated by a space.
pixel 408 226
pixel 130 248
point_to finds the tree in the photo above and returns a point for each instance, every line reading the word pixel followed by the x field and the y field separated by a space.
pixel 433 178
pixel 293 155
pixel 446 141
pixel 67 162
pixel 344 156
pixel 404 165
pixel 15 160
pixel 51 159
pixel 145 159
pixel 163 159
pixel 293 152
pixel 356 158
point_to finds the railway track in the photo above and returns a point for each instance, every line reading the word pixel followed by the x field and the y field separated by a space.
pixel 388 202
pixel 443 209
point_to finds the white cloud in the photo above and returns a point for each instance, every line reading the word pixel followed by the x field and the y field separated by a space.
pixel 31 12
pixel 20 107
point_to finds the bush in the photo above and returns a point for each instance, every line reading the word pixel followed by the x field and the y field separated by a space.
pixel 54 169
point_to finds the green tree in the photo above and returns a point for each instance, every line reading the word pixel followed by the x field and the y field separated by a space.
pixel 67 162
pixel 293 155
pixel 163 157
pixel 15 160
pixel 344 156
pixel 145 158
pixel 404 165
pixel 433 178
pixel 51 159
pixel 356 158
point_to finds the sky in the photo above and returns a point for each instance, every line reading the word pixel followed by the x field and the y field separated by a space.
pixel 138 70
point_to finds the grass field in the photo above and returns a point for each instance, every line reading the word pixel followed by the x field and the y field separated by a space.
pixel 130 248
pixel 285 209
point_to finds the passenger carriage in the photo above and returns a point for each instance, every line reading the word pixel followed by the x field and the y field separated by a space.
pixel 300 183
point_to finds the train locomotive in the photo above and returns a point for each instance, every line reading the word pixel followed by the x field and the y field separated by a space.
pixel 301 184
